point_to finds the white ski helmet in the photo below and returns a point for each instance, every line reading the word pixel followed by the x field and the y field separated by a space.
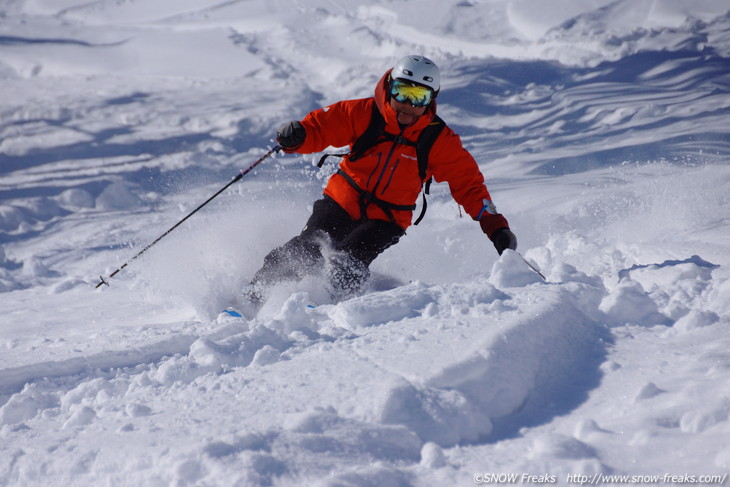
pixel 418 69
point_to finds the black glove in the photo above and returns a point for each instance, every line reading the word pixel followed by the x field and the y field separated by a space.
pixel 291 135
pixel 504 239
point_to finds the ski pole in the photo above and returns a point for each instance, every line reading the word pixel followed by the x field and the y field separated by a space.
pixel 532 267
pixel 234 180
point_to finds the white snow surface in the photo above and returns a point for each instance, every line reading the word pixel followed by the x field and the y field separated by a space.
pixel 603 130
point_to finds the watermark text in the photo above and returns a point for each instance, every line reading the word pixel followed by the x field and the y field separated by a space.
pixel 599 479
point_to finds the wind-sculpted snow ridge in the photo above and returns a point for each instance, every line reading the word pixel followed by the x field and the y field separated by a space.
pixel 364 377
pixel 649 106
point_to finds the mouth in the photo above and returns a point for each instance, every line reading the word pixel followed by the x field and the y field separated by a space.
pixel 406 113
pixel 404 116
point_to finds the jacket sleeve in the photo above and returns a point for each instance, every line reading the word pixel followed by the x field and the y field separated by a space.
pixel 450 162
pixel 336 125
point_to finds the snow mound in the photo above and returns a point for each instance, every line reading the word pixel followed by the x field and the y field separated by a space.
pixel 512 270
pixel 117 196
pixel 505 353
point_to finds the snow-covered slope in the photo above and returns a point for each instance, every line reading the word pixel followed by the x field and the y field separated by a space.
pixel 601 127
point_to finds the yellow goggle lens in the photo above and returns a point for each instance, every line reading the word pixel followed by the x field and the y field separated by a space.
pixel 416 95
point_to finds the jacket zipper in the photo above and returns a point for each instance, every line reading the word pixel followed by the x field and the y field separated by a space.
pixel 375 169
pixel 387 162
pixel 390 177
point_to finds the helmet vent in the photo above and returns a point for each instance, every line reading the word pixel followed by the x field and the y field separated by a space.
pixel 418 69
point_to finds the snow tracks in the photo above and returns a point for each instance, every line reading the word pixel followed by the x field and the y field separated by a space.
pixel 387 379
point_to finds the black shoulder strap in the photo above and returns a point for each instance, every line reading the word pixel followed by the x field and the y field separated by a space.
pixel 423 149
pixel 425 142
pixel 368 139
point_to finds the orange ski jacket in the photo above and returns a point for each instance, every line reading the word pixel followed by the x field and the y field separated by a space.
pixel 389 170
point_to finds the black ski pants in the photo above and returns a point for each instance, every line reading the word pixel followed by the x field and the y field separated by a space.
pixel 353 245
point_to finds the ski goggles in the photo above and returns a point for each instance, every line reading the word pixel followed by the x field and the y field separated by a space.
pixel 416 95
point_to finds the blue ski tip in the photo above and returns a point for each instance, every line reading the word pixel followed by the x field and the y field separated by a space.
pixel 233 313
pixel 311 306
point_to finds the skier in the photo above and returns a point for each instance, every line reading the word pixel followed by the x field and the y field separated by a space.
pixel 368 203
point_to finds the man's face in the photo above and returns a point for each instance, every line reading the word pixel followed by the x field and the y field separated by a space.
pixel 406 113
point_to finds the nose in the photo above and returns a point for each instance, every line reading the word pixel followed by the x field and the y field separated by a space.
pixel 408 107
